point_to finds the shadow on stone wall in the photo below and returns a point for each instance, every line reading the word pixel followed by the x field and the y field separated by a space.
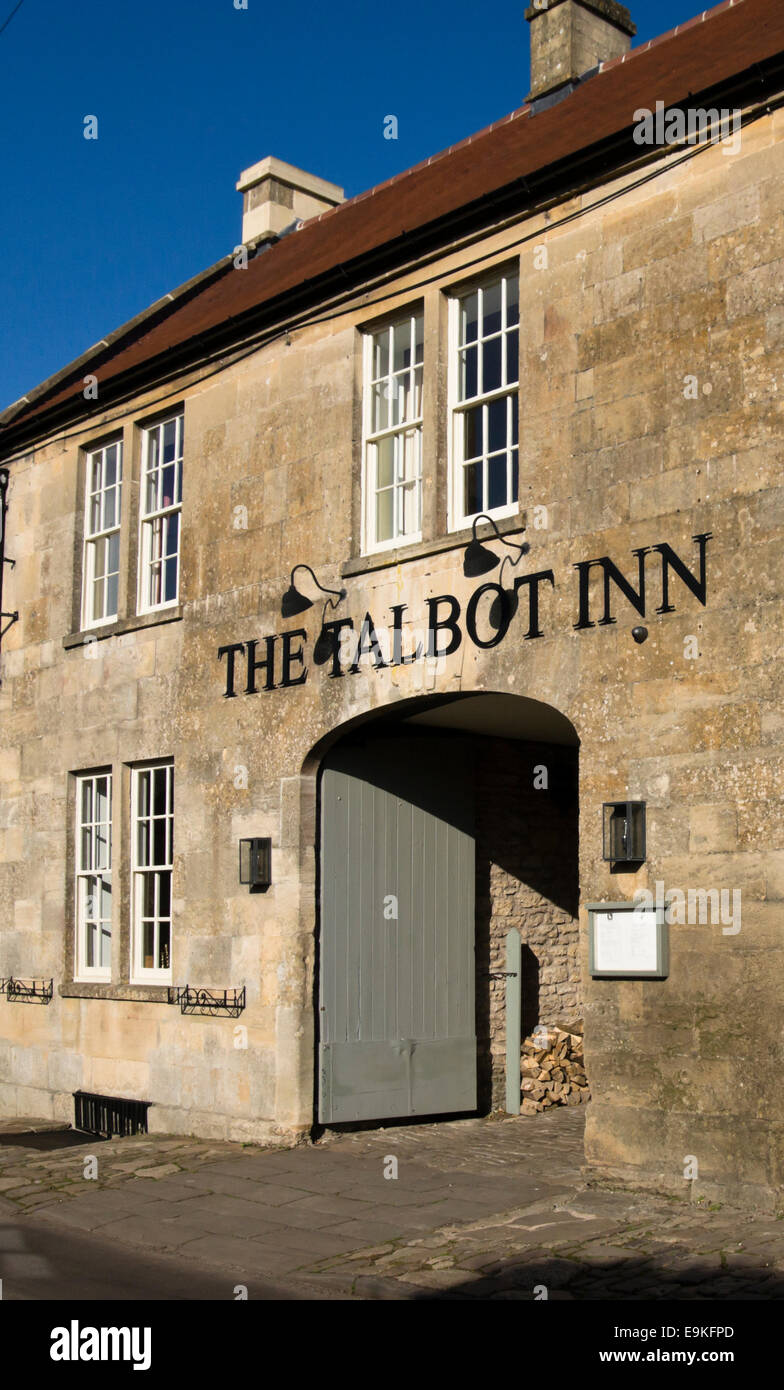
pixel 527 878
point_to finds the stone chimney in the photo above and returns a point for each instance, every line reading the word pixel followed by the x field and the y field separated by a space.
pixel 570 37
pixel 275 194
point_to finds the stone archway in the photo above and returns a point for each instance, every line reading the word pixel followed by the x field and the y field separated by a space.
pixel 516 760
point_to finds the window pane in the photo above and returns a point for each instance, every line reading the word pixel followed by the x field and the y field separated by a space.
pixel 416 404
pixel 384 514
pixel 106 948
pixel 99 551
pixel 473 432
pixel 95 513
pixel 163 946
pixel 143 843
pixel 148 945
pixel 148 895
pixel 491 309
pixel 153 450
pixel 143 788
pixel 87 799
pixel 410 507
pixel 164 895
pixel 173 534
pixel 496 431
pixel 512 358
pixel 170 585
pixel 385 461
pixel 113 559
pixel 469 310
pixel 151 501
pixel 515 413
pixel 110 472
pixel 167 486
pixel 472 497
pixel 419 334
pixel 381 354
pixel 401 337
pixel 410 455
pixel 380 420
pixel 496 482
pixel 169 441
pixel 468 374
pixel 159 791
pixel 106 900
pixel 399 399
pixel 89 945
pixel 491 365
pixel 159 841
pixel 514 477
pixel 110 508
pixel 512 300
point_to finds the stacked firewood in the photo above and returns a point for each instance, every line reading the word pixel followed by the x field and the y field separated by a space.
pixel 552 1068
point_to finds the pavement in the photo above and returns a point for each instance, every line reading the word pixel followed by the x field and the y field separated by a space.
pixel 466 1209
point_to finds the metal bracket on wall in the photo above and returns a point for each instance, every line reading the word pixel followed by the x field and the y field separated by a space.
pixel 212 1002
pixel 4 559
pixel 27 991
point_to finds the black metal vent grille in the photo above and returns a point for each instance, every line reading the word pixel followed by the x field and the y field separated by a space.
pixel 108 1115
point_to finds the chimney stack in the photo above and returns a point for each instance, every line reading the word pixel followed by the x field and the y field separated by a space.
pixel 570 37
pixel 275 194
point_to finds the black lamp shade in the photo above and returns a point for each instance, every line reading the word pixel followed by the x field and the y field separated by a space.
pixel 478 559
pixel 293 602
pixel 624 832
pixel 256 862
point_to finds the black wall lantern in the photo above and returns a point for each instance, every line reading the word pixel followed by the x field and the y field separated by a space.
pixel 256 863
pixel 478 560
pixel 294 602
pixel 624 832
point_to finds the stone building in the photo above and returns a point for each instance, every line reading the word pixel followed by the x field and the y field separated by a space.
pixel 369 567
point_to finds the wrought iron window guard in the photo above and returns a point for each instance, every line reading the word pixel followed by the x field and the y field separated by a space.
pixel 193 1000
pixel 27 991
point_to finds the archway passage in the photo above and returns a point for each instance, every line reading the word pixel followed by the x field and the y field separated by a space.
pixel 441 827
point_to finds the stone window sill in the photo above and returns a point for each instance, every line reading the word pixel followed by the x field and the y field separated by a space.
pixel 137 994
pixel 134 624
pixel 456 540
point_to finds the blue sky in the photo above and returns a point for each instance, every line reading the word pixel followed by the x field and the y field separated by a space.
pixel 187 94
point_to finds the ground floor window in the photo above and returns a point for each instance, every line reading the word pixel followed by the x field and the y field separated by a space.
pixel 94 876
pixel 152 839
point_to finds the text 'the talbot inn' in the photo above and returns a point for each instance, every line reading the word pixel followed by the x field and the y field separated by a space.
pixel 402 597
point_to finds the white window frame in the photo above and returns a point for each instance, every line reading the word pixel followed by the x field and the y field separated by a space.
pixel 92 539
pixel 457 519
pixel 370 545
pixel 141 974
pixel 87 874
pixel 154 524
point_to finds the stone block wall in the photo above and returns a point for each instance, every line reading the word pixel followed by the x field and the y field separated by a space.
pixel 526 878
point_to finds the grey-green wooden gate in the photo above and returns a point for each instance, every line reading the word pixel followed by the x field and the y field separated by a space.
pixel 397 1029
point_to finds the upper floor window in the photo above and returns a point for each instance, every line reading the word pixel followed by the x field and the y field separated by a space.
pixel 94 877
pixel 392 479
pixel 152 810
pixel 161 504
pixel 484 377
pixel 101 566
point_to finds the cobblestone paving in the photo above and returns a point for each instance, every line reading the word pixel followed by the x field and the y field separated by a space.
pixel 492 1209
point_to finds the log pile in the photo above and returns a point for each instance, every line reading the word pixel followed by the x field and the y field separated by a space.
pixel 552 1068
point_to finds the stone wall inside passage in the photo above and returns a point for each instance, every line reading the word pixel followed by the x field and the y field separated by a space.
pixel 526 878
